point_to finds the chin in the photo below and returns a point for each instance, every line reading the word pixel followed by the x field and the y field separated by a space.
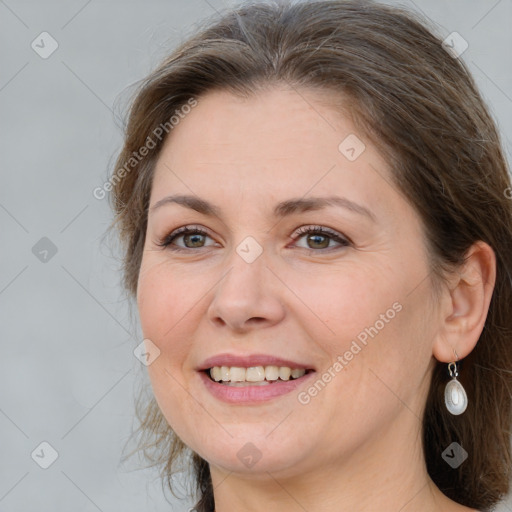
pixel 254 455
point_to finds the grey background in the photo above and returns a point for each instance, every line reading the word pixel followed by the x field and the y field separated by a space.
pixel 67 370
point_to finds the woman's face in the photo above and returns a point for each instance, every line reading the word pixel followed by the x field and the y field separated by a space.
pixel 351 305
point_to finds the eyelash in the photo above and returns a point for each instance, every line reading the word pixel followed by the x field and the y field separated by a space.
pixel 166 242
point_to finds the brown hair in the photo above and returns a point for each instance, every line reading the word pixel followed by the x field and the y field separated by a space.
pixel 420 107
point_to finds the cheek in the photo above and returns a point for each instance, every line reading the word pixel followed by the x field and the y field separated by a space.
pixel 166 298
pixel 342 303
pixel 371 319
pixel 169 305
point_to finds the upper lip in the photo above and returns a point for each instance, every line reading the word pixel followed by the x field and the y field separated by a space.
pixel 250 360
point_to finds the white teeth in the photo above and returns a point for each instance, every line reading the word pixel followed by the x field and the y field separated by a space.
pixel 216 373
pixel 255 374
pixel 224 373
pixel 272 372
pixel 297 373
pixel 284 373
pixel 237 374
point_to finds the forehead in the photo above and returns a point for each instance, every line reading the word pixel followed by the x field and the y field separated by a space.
pixel 276 137
pixel 255 125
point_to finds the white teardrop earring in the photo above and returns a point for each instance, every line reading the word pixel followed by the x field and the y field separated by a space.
pixel 455 396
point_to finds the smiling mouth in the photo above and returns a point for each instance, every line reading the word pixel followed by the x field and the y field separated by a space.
pixel 254 375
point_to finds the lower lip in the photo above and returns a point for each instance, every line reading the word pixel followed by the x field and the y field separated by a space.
pixel 252 394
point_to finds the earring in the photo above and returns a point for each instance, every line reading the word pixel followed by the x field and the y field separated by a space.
pixel 455 396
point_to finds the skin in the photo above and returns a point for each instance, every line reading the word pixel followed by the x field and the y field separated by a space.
pixel 356 446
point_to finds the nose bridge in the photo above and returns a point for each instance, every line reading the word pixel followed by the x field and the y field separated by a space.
pixel 246 269
pixel 246 289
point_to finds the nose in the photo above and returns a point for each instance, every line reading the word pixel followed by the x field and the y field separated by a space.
pixel 247 297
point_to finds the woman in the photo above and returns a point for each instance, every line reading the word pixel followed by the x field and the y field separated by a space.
pixel 313 204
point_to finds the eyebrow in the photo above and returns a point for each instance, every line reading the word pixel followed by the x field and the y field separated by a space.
pixel 281 210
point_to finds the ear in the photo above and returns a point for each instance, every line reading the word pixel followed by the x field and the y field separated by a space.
pixel 465 303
